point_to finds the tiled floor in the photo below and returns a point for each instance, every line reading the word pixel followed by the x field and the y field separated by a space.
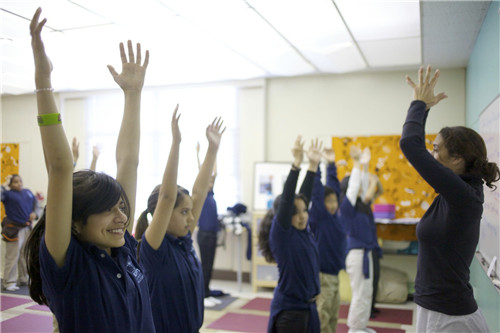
pixel 21 314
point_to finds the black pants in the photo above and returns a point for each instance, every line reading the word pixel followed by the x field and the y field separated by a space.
pixel 292 321
pixel 207 241
pixel 376 276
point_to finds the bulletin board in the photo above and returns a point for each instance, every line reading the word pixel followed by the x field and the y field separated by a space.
pixel 489 237
pixel 10 164
pixel 402 184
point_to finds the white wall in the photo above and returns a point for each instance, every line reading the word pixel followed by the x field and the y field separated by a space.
pixel 271 114
pixel 352 104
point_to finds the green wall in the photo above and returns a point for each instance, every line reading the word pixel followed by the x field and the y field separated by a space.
pixel 482 86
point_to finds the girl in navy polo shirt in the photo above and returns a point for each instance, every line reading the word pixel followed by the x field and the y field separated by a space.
pixel 331 238
pixel 173 270
pixel 448 233
pixel 358 221
pixel 81 257
pixel 292 245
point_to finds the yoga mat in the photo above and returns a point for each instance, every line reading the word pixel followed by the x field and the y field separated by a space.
pixel 8 302
pixel 27 323
pixel 342 328
pixel 258 303
pixel 241 323
pixel 226 300
pixel 39 307
pixel 386 315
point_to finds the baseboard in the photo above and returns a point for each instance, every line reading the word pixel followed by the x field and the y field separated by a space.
pixel 220 274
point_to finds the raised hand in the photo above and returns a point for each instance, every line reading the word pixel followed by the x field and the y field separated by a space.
pixel 298 151
pixel 365 156
pixel 329 155
pixel 75 149
pixel 314 153
pixel 214 132
pixel 43 65
pixel 95 152
pixel 424 90
pixel 176 132
pixel 355 153
pixel 132 76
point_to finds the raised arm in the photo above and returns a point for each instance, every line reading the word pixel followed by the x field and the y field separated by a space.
pixel 58 157
pixel 202 183
pixel 332 180
pixel 287 198
pixel 131 81
pixel 168 190
pixel 75 149
pixel 95 155
pixel 355 179
pixel 314 156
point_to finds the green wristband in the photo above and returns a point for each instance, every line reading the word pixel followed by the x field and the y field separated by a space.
pixel 49 119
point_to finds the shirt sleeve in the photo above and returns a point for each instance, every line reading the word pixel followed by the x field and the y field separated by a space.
pixel 353 186
pixel 286 206
pixel 332 179
pixel 412 143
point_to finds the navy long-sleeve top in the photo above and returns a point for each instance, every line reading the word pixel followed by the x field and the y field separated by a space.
pixel 296 253
pixel 327 228
pixel 18 204
pixel 208 220
pixel 448 232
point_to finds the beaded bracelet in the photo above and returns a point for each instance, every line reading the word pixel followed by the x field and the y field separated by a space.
pixel 49 119
pixel 43 89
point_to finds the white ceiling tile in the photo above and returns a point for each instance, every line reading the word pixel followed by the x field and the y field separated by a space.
pixel 393 52
pixel 341 60
pixel 242 31
pixel 374 20
pixel 60 14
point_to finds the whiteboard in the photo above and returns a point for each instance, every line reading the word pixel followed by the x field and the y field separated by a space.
pixel 489 238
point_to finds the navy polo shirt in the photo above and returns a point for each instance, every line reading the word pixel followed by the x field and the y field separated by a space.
pixel 297 256
pixel 208 220
pixel 95 292
pixel 175 282
pixel 18 204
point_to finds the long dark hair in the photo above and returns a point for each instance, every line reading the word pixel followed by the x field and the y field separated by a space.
pixel 461 141
pixel 142 221
pixel 265 229
pixel 93 193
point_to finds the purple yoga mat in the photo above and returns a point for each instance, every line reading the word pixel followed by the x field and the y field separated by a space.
pixel 27 323
pixel 8 302
pixel 241 323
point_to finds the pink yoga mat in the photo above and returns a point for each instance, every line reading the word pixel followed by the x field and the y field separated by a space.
pixel 8 302
pixel 386 315
pixel 258 303
pixel 27 323
pixel 241 323
pixel 39 307
pixel 342 328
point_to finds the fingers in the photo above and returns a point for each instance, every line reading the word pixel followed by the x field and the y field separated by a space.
pixel 130 51
pixel 435 78
pixel 34 21
pixel 427 74
pixel 112 71
pixel 138 58
pixel 175 117
pixel 146 61
pixel 441 96
pixel 410 82
pixel 420 75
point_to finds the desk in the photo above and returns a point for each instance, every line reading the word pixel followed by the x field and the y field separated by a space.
pixel 403 229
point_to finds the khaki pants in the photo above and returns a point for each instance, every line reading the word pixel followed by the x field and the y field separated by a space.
pixel 328 302
pixel 15 265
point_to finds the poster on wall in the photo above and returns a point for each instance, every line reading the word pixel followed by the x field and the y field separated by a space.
pixel 403 186
pixel 10 164
pixel 489 237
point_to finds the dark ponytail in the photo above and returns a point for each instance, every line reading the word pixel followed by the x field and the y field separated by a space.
pixel 32 252
pixel 264 231
pixel 461 141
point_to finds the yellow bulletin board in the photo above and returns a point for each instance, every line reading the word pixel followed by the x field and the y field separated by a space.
pixel 402 185
pixel 10 164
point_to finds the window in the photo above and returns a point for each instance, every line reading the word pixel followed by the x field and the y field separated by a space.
pixel 198 107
